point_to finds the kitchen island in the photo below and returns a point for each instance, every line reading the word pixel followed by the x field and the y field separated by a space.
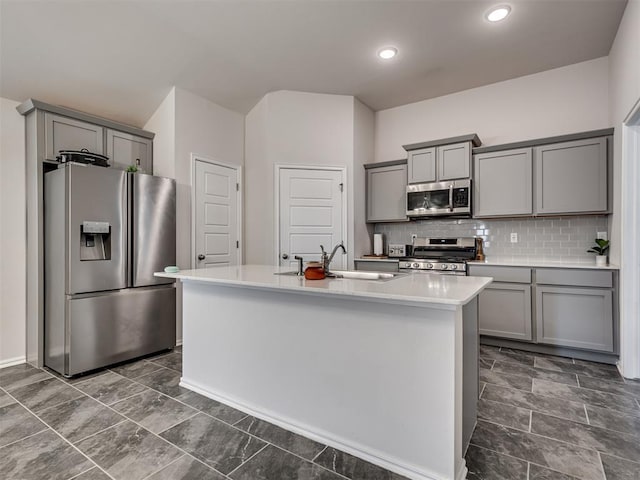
pixel 385 370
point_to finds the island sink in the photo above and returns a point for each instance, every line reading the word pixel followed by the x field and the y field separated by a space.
pixel 353 274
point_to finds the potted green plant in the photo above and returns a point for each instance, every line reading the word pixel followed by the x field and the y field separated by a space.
pixel 600 249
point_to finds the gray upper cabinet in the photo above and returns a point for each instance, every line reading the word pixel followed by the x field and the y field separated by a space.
pixel 571 177
pixel 124 149
pixel 386 193
pixel 454 161
pixel 439 163
pixel 503 183
pixel 64 133
pixel 422 165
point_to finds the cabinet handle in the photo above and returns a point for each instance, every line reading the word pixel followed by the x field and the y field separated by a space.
pixel 285 256
pixel 451 197
pixel 201 257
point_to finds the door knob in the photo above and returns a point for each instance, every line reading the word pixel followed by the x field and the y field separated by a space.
pixel 201 257
pixel 285 256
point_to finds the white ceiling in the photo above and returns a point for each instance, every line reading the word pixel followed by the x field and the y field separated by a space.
pixel 119 59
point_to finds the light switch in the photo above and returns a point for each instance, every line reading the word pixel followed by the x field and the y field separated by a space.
pixel 514 237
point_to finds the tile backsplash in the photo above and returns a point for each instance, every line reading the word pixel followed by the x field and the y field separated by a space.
pixel 550 238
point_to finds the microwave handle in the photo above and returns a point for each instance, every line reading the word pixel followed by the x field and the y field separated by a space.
pixel 451 197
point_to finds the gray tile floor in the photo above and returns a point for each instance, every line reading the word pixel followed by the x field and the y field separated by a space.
pixel 540 417
pixel 135 422
pixel 543 417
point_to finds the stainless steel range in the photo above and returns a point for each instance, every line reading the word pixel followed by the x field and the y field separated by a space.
pixel 445 256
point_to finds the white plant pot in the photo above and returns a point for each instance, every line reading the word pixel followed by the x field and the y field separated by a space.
pixel 601 260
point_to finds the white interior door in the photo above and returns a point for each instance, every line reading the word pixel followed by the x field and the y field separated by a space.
pixel 216 215
pixel 311 214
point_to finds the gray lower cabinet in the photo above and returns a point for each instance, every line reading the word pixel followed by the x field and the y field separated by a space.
pixel 64 133
pixel 503 183
pixel 504 310
pixel 124 150
pixel 504 307
pixel 422 165
pixel 572 308
pixel 386 193
pixel 571 177
pixel 575 317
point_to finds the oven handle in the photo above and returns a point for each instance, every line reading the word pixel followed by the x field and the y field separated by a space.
pixel 451 197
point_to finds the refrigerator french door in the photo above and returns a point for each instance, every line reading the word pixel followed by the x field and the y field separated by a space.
pixel 106 232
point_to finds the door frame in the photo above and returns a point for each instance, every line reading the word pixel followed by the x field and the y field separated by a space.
pixel 276 180
pixel 239 217
pixel 629 363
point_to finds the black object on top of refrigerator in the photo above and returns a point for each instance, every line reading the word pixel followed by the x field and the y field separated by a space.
pixel 106 232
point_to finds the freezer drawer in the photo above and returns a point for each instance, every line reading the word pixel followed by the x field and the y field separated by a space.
pixel 119 326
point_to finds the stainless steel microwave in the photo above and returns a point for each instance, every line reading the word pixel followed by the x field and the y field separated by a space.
pixel 439 198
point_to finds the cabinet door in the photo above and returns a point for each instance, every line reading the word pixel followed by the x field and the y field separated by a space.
pixel 422 165
pixel 503 183
pixel 571 177
pixel 124 149
pixel 386 194
pixel 504 310
pixel 63 133
pixel 454 161
pixel 575 317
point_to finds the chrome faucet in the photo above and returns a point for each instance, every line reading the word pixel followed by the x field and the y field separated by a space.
pixel 326 259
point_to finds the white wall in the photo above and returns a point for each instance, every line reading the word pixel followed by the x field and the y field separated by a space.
pixel 294 128
pixel 363 141
pixel 163 124
pixel 624 96
pixel 12 234
pixel 564 100
pixel 624 92
pixel 185 123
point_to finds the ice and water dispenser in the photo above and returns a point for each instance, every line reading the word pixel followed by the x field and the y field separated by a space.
pixel 95 241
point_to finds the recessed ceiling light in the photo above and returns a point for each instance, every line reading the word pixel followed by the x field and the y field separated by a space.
pixel 387 53
pixel 498 13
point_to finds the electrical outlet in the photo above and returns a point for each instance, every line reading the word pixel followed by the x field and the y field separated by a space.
pixel 514 237
pixel 602 235
pixel 413 237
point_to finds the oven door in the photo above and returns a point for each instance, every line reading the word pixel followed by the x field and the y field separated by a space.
pixel 456 273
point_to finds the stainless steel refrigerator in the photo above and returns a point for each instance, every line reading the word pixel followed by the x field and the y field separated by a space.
pixel 106 232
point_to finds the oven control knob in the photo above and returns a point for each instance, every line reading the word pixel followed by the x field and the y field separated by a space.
pixel 454 267
pixel 429 265
pixel 416 265
pixel 444 266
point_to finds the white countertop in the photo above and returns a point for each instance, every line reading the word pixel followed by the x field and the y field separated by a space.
pixel 411 288
pixel 533 262
pixel 540 263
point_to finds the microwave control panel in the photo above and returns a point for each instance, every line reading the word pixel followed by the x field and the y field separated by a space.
pixel 461 197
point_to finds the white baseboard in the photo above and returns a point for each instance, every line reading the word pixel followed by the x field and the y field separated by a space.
pixel 322 437
pixel 10 362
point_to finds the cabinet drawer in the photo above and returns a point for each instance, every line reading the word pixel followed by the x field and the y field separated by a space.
pixel 501 274
pixel 576 278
